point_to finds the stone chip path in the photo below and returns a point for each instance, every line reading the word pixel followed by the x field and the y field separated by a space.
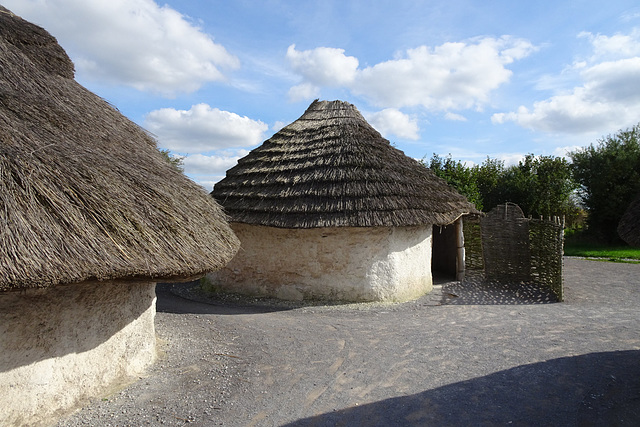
pixel 458 356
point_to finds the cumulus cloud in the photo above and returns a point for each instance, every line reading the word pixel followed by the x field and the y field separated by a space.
pixel 617 46
pixel 207 170
pixel 606 100
pixel 573 113
pixel 394 122
pixel 323 66
pixel 200 164
pixel 450 76
pixel 303 91
pixel 132 42
pixel 203 128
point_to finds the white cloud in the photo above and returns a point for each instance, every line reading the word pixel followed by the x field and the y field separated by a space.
pixel 199 164
pixel 450 76
pixel 454 117
pixel 202 129
pixel 303 91
pixel 208 184
pixel 573 113
pixel 616 46
pixel 207 170
pixel 131 42
pixel 606 100
pixel 615 82
pixel 323 66
pixel 394 122
pixel 509 159
pixel 564 151
pixel 278 125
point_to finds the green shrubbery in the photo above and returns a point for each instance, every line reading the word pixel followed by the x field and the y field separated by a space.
pixel 609 178
pixel 540 185
pixel 597 185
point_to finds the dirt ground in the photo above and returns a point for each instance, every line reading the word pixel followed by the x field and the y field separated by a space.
pixel 466 354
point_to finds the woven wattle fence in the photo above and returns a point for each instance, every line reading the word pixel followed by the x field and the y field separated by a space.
pixel 546 239
pixel 474 262
pixel 509 248
pixel 505 244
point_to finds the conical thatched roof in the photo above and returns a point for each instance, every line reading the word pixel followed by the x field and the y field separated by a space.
pixel 330 168
pixel 629 226
pixel 84 193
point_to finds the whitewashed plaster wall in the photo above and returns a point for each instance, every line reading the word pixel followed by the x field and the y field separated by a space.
pixel 341 264
pixel 62 345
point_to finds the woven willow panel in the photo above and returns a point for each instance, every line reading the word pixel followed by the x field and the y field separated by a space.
pixel 505 244
pixel 472 243
pixel 546 240
pixel 514 249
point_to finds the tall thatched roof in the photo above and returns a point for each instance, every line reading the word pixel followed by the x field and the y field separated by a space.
pixel 84 193
pixel 330 168
pixel 629 226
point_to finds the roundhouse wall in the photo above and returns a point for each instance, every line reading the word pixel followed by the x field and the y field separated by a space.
pixel 342 263
pixel 64 344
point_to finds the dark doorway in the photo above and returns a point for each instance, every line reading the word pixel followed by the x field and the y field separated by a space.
pixel 444 252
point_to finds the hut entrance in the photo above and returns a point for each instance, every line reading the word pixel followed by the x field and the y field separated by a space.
pixel 447 259
pixel 443 259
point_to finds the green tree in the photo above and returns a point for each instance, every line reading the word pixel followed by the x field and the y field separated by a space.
pixel 609 176
pixel 519 183
pixel 541 185
pixel 458 176
pixel 555 187
pixel 489 179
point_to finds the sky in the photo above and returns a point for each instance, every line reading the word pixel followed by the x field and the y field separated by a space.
pixel 212 80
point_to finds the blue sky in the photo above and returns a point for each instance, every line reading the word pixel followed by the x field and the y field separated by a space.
pixel 213 79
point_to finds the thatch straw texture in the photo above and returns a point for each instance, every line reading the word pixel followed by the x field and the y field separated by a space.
pixel 629 226
pixel 84 193
pixel 330 168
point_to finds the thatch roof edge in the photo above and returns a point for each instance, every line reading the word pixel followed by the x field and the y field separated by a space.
pixel 84 192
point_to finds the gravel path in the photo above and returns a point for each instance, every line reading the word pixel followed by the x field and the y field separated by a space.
pixel 462 355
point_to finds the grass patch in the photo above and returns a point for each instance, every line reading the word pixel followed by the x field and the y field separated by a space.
pixel 602 251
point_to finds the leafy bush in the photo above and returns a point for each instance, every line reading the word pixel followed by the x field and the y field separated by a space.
pixel 609 178
pixel 540 185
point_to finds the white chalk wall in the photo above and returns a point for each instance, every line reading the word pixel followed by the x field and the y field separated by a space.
pixel 62 345
pixel 342 264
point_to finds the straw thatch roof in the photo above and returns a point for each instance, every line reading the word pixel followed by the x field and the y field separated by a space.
pixel 84 193
pixel 330 168
pixel 629 226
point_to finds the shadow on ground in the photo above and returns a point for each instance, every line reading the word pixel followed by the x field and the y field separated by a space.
pixel 472 291
pixel 597 389
pixel 476 291
pixel 181 298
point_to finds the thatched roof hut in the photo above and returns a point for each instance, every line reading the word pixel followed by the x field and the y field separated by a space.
pixel 91 216
pixel 329 170
pixel 629 226
pixel 84 193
